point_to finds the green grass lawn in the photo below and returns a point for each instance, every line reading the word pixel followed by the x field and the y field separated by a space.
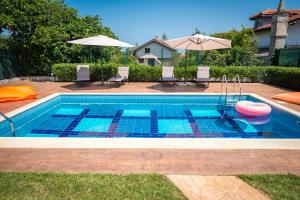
pixel 86 186
pixel 57 186
pixel 277 186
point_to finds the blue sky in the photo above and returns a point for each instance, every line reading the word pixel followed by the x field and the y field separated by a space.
pixel 136 21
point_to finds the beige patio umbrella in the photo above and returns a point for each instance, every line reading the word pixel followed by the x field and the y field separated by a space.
pixel 150 56
pixel 199 43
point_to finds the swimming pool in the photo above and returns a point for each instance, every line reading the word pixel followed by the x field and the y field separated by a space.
pixel 148 116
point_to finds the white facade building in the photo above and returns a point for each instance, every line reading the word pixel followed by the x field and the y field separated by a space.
pixel 153 52
pixel 262 28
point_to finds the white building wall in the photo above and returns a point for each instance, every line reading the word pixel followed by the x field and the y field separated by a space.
pixel 263 38
pixel 293 38
pixel 155 49
pixel 293 34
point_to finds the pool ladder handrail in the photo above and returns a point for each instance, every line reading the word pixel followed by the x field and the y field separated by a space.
pixel 12 125
pixel 224 83
pixel 237 79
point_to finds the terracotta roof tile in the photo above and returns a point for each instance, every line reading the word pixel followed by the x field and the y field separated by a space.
pixel 292 12
pixel 294 15
pixel 294 18
pixel 263 27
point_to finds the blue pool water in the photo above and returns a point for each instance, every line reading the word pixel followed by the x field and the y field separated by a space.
pixel 154 116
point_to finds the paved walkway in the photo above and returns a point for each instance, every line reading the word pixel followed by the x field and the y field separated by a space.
pixel 46 88
pixel 215 188
pixel 162 161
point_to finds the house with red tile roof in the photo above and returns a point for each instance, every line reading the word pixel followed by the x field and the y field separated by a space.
pixel 263 24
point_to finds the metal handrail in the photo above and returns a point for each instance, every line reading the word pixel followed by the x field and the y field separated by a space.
pixel 237 78
pixel 224 80
pixel 12 125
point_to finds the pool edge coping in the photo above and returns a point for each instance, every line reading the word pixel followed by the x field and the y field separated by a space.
pixel 148 143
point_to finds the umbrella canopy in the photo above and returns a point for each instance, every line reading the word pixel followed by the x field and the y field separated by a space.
pixel 101 40
pixel 150 56
pixel 199 42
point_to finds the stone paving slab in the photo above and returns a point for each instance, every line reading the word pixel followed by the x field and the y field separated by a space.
pixel 162 161
pixel 215 188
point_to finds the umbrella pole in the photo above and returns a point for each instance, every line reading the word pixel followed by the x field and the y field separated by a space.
pixel 126 56
pixel 102 74
pixel 162 56
pixel 53 55
pixel 90 55
pixel 186 56
pixel 198 58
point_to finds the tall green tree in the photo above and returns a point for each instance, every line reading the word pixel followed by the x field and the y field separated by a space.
pixel 164 36
pixel 39 30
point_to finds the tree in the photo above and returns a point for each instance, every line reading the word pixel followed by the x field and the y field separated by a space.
pixel 197 31
pixel 164 36
pixel 39 30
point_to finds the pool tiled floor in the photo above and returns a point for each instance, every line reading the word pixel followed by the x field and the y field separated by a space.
pixel 69 111
pixel 94 125
pixel 139 126
pixel 136 113
pixel 174 126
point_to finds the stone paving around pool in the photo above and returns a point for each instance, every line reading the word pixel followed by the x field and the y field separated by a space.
pixel 46 88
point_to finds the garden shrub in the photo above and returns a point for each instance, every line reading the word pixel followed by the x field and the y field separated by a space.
pixel 64 71
pixel 288 77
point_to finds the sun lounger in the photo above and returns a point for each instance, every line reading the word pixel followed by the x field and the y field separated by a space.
pixel 83 74
pixel 168 74
pixel 203 75
pixel 122 75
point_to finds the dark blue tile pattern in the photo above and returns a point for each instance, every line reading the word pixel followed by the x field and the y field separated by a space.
pixel 192 122
pixel 114 124
pixel 154 130
pixel 154 123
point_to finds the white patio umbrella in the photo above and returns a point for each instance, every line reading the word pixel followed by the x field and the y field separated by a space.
pixel 102 40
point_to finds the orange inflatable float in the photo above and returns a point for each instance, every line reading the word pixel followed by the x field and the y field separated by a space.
pixel 16 93
pixel 292 97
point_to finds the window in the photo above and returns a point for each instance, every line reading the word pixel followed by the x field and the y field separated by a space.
pixel 151 62
pixel 147 50
pixel 141 60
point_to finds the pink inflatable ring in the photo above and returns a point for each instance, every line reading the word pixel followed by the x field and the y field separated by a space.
pixel 252 108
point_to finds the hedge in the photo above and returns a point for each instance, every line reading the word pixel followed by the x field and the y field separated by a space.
pixel 288 77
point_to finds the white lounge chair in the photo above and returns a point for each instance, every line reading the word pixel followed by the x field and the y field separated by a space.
pixel 122 75
pixel 168 74
pixel 83 74
pixel 203 75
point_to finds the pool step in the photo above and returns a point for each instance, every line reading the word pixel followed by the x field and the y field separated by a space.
pixel 232 101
